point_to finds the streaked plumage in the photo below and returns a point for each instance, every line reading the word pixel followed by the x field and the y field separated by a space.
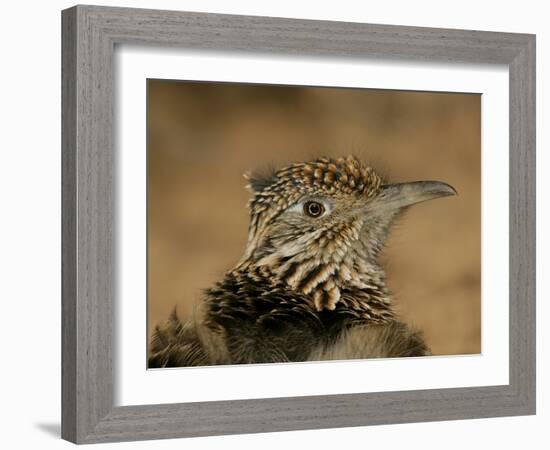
pixel 309 285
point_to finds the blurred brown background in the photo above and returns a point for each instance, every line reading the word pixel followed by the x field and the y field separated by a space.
pixel 203 136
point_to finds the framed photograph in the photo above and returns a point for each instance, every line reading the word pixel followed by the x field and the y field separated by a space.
pixel 278 224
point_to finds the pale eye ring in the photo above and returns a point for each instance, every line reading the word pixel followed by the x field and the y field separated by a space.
pixel 313 208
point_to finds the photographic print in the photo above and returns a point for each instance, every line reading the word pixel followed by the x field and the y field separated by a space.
pixel 350 250
pixel 301 224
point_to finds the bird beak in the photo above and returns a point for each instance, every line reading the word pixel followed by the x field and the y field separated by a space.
pixel 400 195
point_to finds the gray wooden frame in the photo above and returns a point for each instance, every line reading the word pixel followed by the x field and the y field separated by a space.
pixel 90 34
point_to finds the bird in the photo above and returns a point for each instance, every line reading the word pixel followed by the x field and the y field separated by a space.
pixel 309 285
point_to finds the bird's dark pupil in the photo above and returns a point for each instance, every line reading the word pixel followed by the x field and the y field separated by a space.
pixel 314 209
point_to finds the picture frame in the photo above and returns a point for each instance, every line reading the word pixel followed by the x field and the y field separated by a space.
pixel 89 37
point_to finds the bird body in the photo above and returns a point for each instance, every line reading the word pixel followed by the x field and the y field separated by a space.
pixel 309 285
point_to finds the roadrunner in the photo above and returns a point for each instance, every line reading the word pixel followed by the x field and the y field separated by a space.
pixel 309 286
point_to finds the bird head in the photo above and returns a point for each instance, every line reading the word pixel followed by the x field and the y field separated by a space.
pixel 319 226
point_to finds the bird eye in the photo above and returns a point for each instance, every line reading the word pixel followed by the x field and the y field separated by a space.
pixel 313 209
